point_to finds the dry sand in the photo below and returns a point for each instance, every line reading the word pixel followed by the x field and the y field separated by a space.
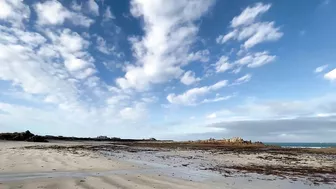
pixel 33 168
pixel 58 169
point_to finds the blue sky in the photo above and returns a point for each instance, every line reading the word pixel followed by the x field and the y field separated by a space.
pixel 181 69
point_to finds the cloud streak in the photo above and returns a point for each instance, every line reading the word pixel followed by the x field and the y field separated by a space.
pixel 246 28
pixel 170 30
pixel 191 96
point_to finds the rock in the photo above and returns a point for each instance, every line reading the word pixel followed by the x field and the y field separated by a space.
pixel 37 138
pixel 234 140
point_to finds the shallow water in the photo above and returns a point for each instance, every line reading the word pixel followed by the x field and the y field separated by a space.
pixel 303 145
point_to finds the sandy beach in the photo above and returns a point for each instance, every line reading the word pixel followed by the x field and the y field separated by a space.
pixel 73 165
pixel 33 168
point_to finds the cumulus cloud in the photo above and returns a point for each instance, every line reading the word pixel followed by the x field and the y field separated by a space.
pixel 192 96
pixel 170 30
pixel 223 64
pixel 54 71
pixel 14 12
pixel 189 78
pixel 47 10
pixel 202 56
pixel 321 68
pixel 48 66
pixel 246 28
pixel 93 7
pixel 34 74
pixel 331 75
pixel 72 48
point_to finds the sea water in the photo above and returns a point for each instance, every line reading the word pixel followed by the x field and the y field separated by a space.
pixel 302 145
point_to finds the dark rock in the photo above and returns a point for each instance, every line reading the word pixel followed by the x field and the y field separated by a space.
pixel 37 138
pixel 24 136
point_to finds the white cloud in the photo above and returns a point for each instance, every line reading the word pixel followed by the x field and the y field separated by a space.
pixel 236 70
pixel 251 60
pixel 331 75
pixel 256 60
pixel 14 12
pixel 192 96
pixel 216 99
pixel 46 69
pixel 75 64
pixel 15 35
pixel 244 79
pixel 202 56
pixel 23 68
pixel 6 9
pixel 70 41
pixel 259 33
pixel 259 109
pixel 118 100
pixel 72 48
pixel 321 68
pixel 246 28
pixel 211 116
pixel 150 99
pixel 189 78
pixel 169 32
pixel 75 6
pixel 62 122
pixel 47 10
pixel 108 15
pixel 56 72
pixel 134 113
pixel 102 46
pixel 224 38
pixel 93 7
pixel 223 64
pixel 218 85
pixel 249 15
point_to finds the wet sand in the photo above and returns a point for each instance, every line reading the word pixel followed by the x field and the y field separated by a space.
pixel 101 165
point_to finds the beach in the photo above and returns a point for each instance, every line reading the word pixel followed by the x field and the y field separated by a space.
pixel 138 165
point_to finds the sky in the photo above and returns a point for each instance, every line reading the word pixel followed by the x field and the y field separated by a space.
pixel 177 69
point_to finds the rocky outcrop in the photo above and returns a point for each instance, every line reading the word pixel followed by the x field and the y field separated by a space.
pixel 234 140
pixel 37 138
